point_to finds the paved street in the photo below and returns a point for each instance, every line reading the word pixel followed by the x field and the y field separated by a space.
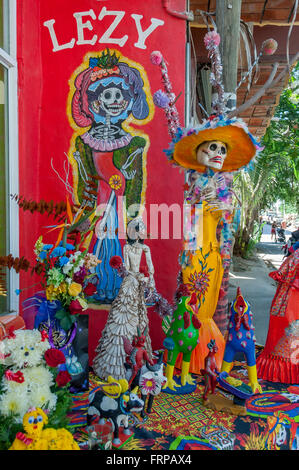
pixel 270 251
pixel 252 276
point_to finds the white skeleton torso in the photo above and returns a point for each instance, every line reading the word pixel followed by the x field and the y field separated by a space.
pixel 132 257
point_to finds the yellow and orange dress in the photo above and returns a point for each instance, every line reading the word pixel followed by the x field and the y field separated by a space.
pixel 203 276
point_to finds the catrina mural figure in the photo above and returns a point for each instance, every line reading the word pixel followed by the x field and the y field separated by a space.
pixel 108 93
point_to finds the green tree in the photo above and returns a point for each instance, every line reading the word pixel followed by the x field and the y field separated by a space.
pixel 275 173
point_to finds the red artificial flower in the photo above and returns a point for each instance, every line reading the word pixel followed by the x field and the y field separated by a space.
pixel 22 437
pixel 144 270
pixel 11 334
pixel 44 335
pixel 63 378
pixel 15 376
pixel 75 307
pixel 90 289
pixel 54 357
pixel 115 262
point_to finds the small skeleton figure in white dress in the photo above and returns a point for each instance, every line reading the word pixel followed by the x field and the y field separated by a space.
pixel 128 310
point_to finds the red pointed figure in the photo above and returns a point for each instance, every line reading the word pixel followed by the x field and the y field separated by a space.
pixel 136 353
pixel 210 371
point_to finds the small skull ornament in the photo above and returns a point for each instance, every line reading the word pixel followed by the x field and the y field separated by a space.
pixel 112 101
pixel 212 154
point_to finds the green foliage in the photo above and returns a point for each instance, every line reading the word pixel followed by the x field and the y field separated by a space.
pixel 8 430
pixel 58 418
pixel 65 318
pixel 275 174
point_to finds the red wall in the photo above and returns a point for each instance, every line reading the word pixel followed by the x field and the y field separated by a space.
pixel 44 128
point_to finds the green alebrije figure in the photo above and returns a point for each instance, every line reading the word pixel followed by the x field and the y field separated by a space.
pixel 182 337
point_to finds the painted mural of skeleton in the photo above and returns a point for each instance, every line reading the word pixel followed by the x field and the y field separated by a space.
pixel 109 92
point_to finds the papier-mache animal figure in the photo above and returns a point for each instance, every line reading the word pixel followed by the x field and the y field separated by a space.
pixel 28 380
pixel 181 337
pixel 115 402
pixel 241 339
pixel 136 354
pixel 36 437
pixel 210 372
pixel 150 380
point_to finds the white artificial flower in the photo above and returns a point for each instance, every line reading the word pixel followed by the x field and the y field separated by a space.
pixel 10 386
pixel 14 403
pixel 27 348
pixel 42 397
pixel 38 375
pixel 67 268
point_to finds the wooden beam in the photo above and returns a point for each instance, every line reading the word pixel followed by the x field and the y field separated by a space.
pixel 228 14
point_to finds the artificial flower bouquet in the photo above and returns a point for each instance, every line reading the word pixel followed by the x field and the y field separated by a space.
pixel 68 277
pixel 36 436
pixel 32 374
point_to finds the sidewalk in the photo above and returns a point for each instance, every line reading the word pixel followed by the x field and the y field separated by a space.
pixel 252 276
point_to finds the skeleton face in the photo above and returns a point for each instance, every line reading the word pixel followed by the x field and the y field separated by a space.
pixel 112 101
pixel 212 154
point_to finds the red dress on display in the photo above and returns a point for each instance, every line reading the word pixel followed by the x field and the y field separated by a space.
pixel 279 361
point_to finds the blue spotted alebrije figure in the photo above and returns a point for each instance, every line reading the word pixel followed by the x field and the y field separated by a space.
pixel 241 339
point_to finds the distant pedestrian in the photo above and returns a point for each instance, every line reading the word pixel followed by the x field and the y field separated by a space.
pixel 273 231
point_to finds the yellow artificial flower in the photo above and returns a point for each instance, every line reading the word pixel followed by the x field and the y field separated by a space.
pixel 43 439
pixel 39 444
pixel 53 292
pixel 74 289
pixel 38 247
pixel 50 294
pixel 63 288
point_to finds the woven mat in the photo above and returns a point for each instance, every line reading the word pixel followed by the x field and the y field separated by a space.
pixel 183 422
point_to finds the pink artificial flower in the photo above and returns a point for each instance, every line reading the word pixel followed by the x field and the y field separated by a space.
pixel 156 57
pixel 270 46
pixel 212 38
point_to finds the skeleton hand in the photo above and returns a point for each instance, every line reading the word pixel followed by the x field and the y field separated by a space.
pixel 209 194
pixel 129 174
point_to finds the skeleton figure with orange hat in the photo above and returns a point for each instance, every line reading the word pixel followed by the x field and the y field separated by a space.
pixel 208 153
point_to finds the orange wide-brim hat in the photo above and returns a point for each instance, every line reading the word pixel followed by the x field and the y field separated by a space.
pixel 240 147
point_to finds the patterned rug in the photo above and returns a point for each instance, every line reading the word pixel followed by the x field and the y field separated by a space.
pixel 182 422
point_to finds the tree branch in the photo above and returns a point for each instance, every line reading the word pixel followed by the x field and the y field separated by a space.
pixel 258 95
